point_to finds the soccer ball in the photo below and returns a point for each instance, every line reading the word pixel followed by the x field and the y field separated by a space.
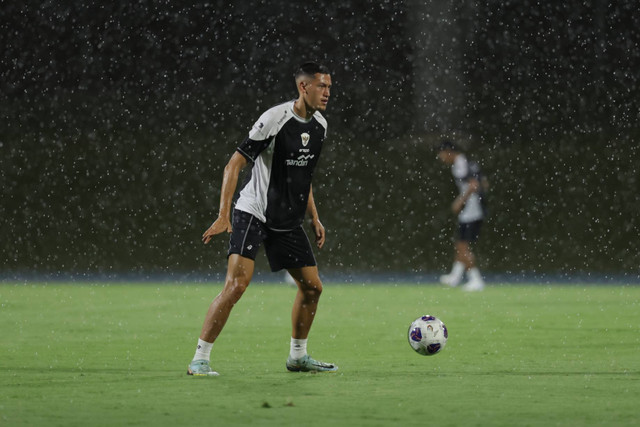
pixel 427 335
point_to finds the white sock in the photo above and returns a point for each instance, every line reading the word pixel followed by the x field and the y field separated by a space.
pixel 474 274
pixel 298 348
pixel 457 270
pixel 203 351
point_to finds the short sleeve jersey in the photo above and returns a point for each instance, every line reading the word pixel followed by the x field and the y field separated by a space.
pixel 284 150
pixel 463 171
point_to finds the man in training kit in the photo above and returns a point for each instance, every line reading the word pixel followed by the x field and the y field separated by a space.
pixel 283 148
pixel 469 207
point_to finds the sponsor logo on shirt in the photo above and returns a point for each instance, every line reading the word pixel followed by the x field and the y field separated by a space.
pixel 302 160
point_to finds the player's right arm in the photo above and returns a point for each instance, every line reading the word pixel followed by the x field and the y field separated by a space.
pixel 229 184
pixel 459 202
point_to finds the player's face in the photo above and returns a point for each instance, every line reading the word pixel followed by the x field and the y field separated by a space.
pixel 317 91
pixel 446 157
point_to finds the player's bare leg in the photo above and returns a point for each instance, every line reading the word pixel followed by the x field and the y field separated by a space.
pixel 465 256
pixel 239 274
pixel 304 311
pixel 306 302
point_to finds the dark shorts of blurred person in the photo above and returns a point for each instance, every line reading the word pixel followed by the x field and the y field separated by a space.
pixel 469 231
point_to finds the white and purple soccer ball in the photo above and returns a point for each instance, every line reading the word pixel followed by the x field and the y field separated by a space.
pixel 427 335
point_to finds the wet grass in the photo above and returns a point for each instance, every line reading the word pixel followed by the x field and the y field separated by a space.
pixel 99 354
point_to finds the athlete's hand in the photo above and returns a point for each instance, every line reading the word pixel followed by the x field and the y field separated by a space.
pixel 318 230
pixel 457 205
pixel 220 225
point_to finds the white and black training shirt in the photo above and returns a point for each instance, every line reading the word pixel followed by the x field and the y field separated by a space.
pixel 284 150
pixel 463 171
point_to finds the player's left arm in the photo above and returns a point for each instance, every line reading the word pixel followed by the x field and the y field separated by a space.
pixel 459 202
pixel 316 225
pixel 484 183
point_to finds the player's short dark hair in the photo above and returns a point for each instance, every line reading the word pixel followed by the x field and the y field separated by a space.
pixel 447 145
pixel 310 69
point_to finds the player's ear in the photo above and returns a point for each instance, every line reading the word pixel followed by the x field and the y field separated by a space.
pixel 302 86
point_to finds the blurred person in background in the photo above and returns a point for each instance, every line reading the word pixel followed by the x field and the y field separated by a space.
pixel 469 207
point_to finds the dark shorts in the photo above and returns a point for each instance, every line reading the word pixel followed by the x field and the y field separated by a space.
pixel 469 231
pixel 285 249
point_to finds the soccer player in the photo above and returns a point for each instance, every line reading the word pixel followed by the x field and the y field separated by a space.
pixel 470 209
pixel 282 148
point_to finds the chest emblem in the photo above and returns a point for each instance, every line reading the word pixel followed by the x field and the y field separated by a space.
pixel 305 139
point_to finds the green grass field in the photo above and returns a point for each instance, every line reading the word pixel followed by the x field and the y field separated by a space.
pixel 116 354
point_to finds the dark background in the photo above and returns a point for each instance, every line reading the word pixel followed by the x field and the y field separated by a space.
pixel 116 121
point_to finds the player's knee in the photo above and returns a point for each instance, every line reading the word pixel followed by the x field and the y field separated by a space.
pixel 313 289
pixel 235 287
